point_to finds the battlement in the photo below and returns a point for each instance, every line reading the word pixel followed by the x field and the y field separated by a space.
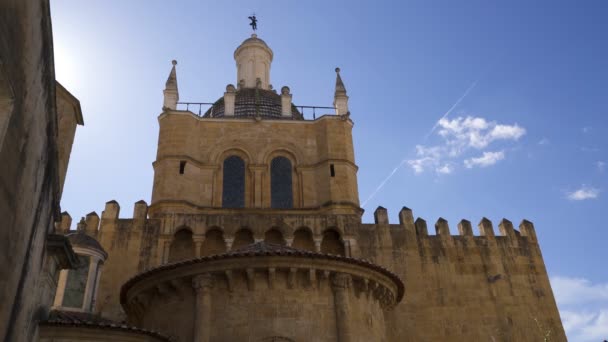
pixel 92 224
pixel 465 229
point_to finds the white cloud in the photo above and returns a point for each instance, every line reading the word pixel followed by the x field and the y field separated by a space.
pixel 544 141
pixel 477 132
pixel 584 193
pixel 487 159
pixel 601 166
pixel 578 290
pixel 419 165
pixel 446 169
pixel 460 136
pixel 583 308
pixel 586 129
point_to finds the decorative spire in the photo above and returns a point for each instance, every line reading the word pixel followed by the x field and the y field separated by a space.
pixel 340 88
pixel 340 97
pixel 171 93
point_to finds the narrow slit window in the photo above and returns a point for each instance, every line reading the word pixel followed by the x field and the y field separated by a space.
pixel 182 167
pixel 332 171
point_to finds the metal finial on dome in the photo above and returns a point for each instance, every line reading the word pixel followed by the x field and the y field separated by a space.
pixel 174 62
pixel 338 70
pixel 254 22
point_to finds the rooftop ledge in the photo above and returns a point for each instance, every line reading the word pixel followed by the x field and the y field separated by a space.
pixel 253 118
pixel 308 113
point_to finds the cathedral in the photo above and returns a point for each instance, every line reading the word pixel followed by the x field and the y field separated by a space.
pixel 254 233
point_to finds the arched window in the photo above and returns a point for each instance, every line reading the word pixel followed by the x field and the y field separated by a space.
pixel 332 244
pixel 214 243
pixel 242 238
pixel 274 236
pixel 233 189
pixel 302 239
pixel 281 193
pixel 182 246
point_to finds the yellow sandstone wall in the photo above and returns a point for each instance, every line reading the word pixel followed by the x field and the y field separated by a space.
pixel 204 144
pixel 464 287
pixel 492 287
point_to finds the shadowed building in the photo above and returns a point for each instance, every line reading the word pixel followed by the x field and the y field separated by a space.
pixel 38 120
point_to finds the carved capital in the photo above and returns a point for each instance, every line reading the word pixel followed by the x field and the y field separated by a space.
pixel 341 281
pixel 203 282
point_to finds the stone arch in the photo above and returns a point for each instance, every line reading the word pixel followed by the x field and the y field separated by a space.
pixel 242 238
pixel 240 151
pixel 275 236
pixel 302 239
pixel 332 242
pixel 182 246
pixel 270 156
pixel 291 152
pixel 244 176
pixel 214 242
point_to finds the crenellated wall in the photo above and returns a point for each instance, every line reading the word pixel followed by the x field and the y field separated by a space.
pixel 464 287
pixel 491 287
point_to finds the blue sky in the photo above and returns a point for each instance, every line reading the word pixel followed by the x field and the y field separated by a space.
pixel 521 87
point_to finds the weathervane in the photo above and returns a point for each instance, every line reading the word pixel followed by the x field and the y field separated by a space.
pixel 254 22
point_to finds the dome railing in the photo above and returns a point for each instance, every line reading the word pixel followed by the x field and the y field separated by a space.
pixel 193 106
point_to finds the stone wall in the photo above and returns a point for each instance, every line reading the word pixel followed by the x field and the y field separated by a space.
pixel 462 286
pixel 313 147
pixel 465 287
pixel 29 179
pixel 35 144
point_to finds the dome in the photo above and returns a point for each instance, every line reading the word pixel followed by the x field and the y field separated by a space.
pixel 252 102
pixel 80 239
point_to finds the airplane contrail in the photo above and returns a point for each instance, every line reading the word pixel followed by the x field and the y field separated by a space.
pixel 451 109
pixel 379 187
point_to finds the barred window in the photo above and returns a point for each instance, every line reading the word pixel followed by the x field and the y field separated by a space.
pixel 281 193
pixel 233 188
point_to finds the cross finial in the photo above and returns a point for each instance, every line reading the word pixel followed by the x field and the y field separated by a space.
pixel 254 22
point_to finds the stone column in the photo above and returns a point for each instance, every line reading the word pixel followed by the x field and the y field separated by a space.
pixel 258 190
pixel 229 242
pixel 318 242
pixel 340 285
pixel 198 244
pixel 164 244
pixel 63 278
pixel 91 280
pixel 202 285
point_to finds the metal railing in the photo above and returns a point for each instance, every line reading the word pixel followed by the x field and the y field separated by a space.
pixel 314 110
pixel 193 106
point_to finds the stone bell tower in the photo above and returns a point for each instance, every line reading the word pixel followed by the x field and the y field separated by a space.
pixel 253 149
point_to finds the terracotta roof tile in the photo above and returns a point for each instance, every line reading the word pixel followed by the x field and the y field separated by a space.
pixel 89 320
pixel 266 249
